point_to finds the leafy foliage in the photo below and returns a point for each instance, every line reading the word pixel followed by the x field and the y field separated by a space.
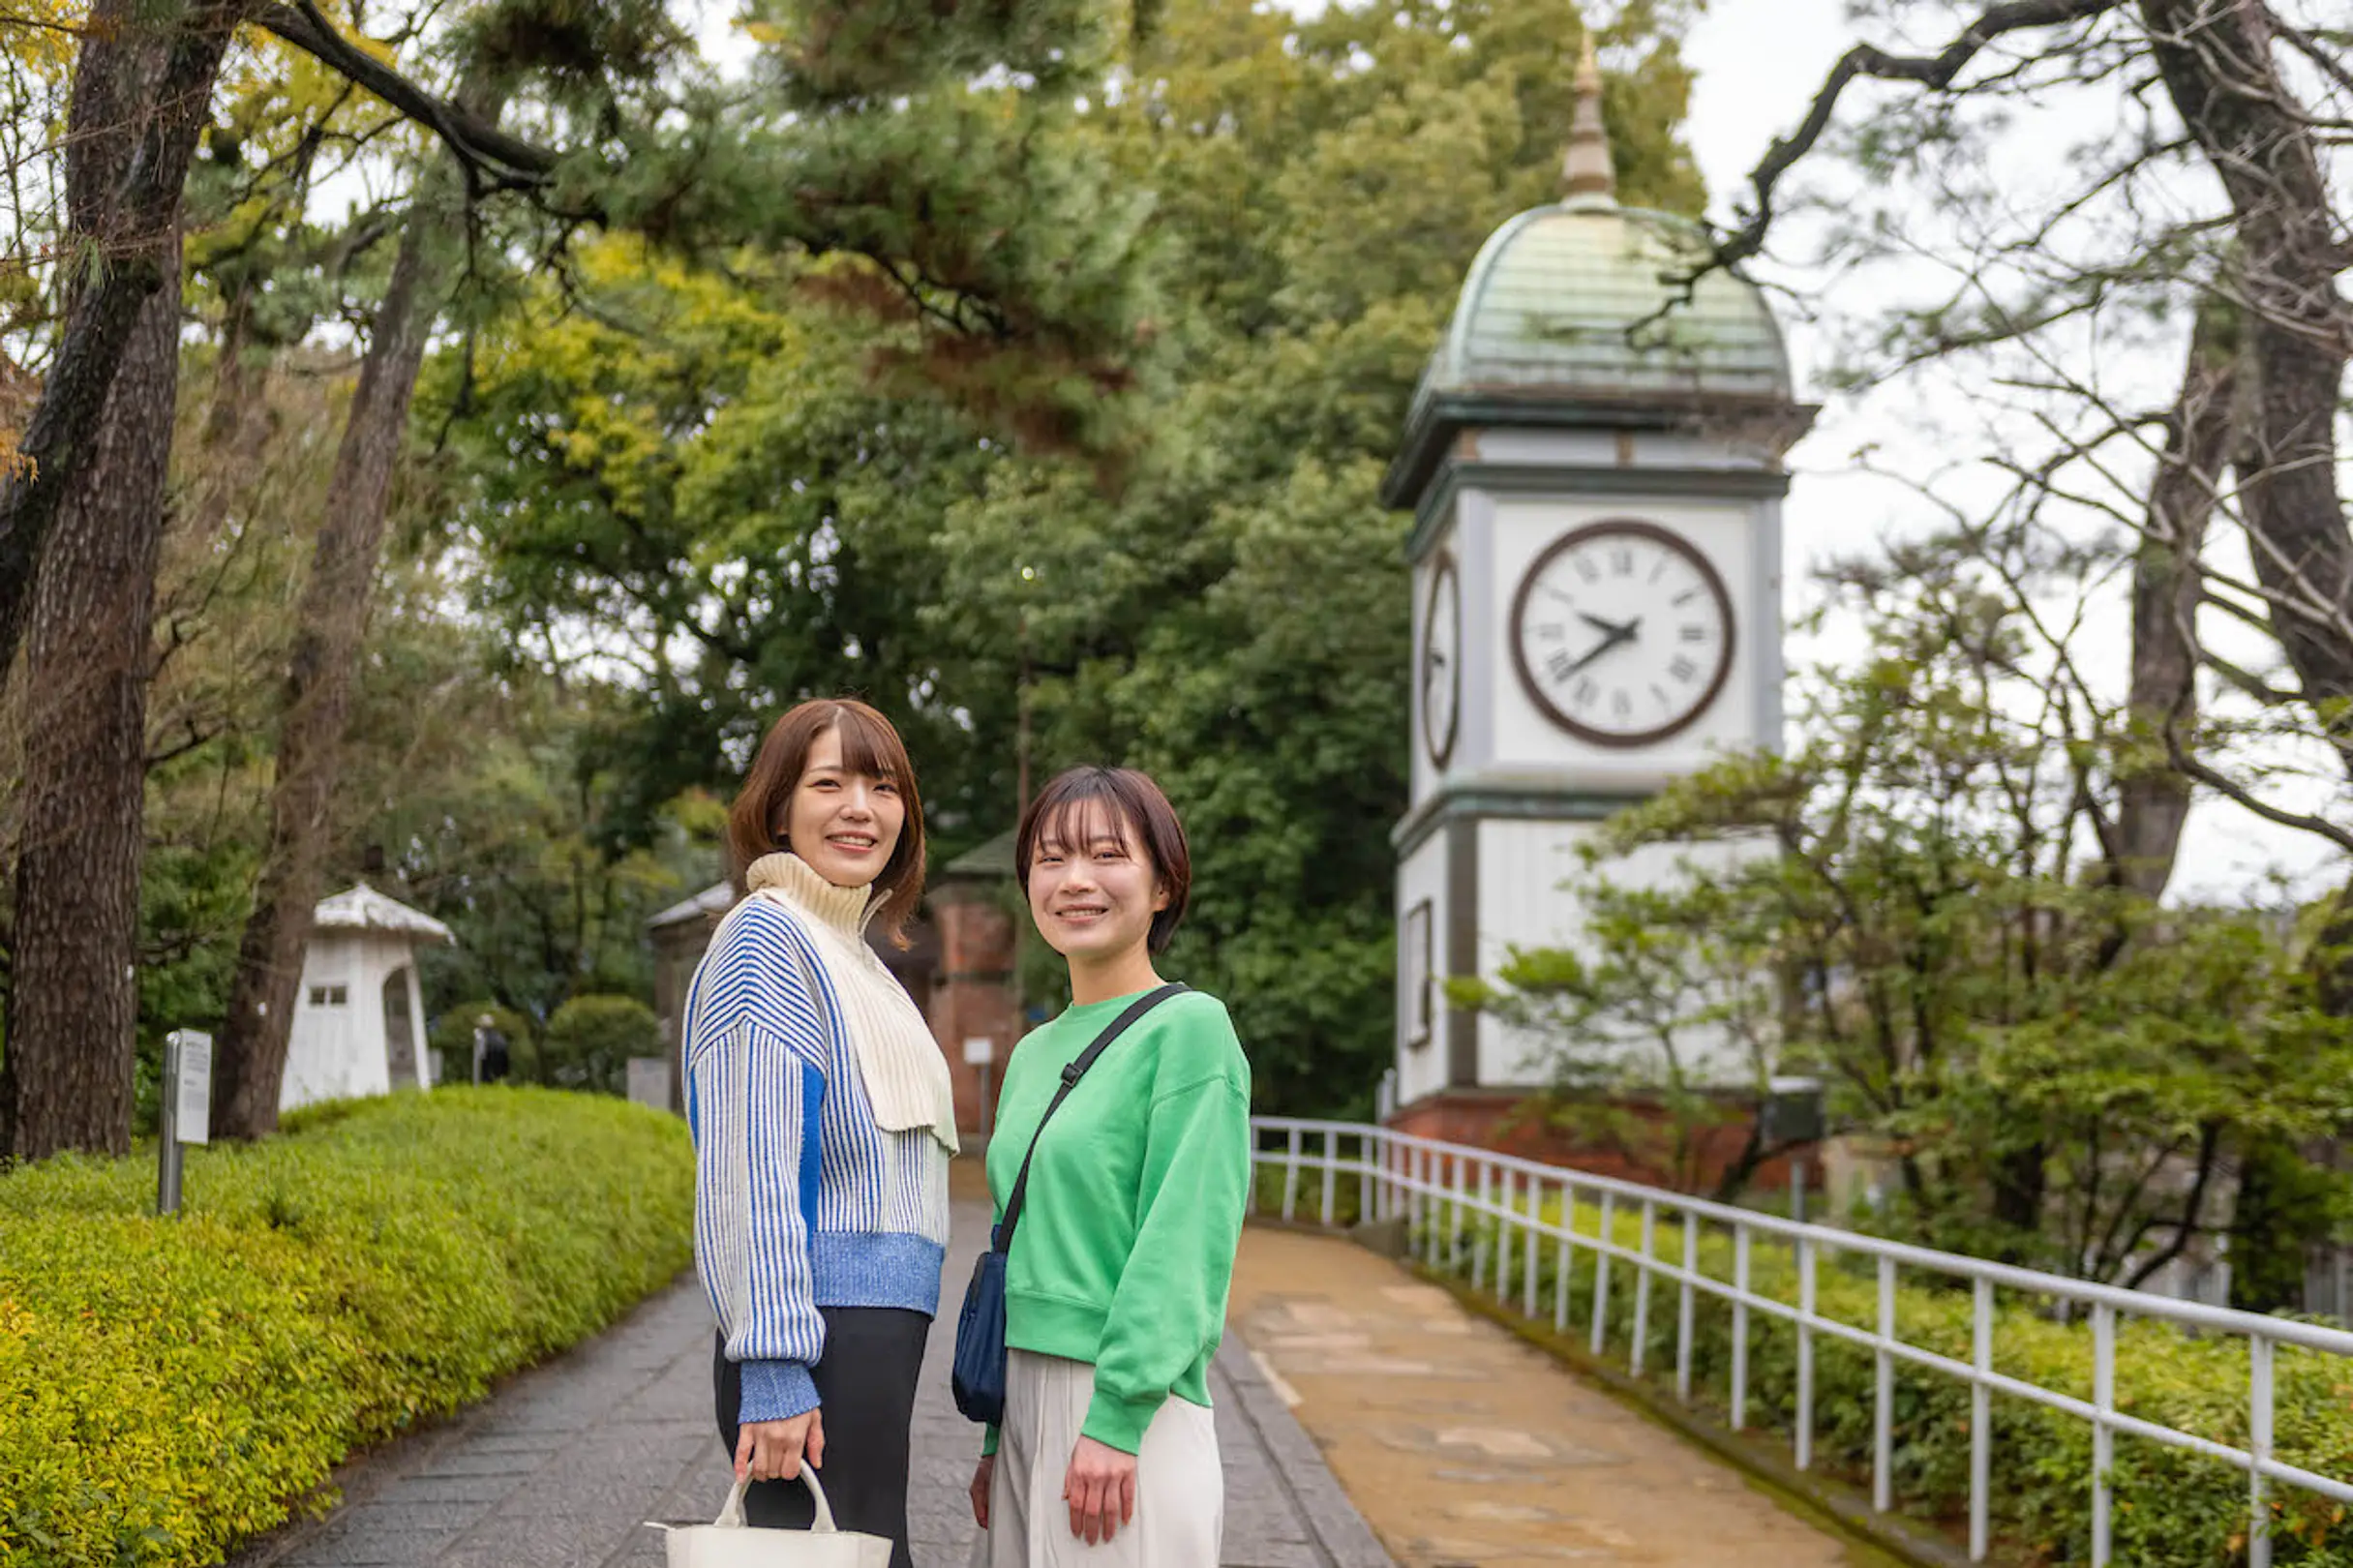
pixel 713 479
pixel 169 1387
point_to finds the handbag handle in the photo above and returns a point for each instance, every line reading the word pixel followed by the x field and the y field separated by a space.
pixel 731 1517
pixel 1003 1240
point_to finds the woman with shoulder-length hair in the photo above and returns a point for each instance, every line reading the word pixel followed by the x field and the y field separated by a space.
pixel 823 1121
pixel 1118 1269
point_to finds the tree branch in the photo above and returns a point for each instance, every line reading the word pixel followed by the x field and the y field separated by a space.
pixel 481 149
pixel 1935 70
pixel 2225 785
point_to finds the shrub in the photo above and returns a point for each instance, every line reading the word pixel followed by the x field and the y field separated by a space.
pixel 2171 1509
pixel 169 1387
pixel 453 1036
pixel 591 1039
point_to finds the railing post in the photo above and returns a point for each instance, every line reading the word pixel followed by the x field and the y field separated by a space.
pixel 1290 1177
pixel 1429 1199
pixel 1805 1352
pixel 1566 1257
pixel 1459 1171
pixel 1331 1176
pixel 1369 1154
pixel 1980 1422
pixel 1507 1246
pixel 2258 1451
pixel 1739 1326
pixel 1601 1273
pixel 1413 1178
pixel 1527 1261
pixel 1883 1409
pixel 2103 1441
pixel 1479 1220
pixel 1683 1304
pixel 1641 1283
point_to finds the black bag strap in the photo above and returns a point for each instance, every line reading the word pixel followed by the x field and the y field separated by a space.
pixel 1077 1070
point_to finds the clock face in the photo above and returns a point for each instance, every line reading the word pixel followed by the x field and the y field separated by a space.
pixel 1441 664
pixel 1622 633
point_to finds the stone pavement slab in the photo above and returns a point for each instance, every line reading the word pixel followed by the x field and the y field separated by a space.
pixel 1464 1445
pixel 561 1466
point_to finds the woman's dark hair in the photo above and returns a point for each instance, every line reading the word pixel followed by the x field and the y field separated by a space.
pixel 1070 810
pixel 869 745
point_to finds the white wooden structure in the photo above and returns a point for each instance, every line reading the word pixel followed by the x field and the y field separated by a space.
pixel 359 1015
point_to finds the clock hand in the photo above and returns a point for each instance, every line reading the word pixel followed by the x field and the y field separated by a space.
pixel 1612 627
pixel 1617 635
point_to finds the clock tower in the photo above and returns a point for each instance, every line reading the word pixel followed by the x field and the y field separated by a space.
pixel 1592 462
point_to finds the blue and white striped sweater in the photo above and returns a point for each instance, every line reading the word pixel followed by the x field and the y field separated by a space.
pixel 801 1201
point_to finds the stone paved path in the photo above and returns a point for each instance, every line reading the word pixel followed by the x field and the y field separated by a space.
pixel 560 1468
pixel 1464 1445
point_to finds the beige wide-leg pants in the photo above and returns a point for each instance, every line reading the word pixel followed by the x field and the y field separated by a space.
pixel 1180 1488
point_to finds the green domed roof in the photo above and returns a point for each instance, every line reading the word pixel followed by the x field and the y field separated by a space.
pixel 1553 303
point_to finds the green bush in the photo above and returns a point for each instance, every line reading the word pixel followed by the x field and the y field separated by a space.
pixel 2171 1509
pixel 591 1039
pixel 170 1387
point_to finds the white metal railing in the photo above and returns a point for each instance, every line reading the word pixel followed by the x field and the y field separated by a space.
pixel 1433 1187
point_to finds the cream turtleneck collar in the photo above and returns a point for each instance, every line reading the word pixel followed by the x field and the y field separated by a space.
pixel 847 910
pixel 902 1064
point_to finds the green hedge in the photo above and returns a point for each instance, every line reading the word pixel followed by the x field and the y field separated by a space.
pixel 170 1387
pixel 2171 1509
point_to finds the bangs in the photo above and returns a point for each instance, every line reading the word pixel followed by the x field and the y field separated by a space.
pixel 1079 819
pixel 869 745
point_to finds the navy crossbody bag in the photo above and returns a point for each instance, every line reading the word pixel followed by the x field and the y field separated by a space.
pixel 978 1378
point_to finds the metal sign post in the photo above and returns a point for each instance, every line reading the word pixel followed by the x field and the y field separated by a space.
pixel 187 1108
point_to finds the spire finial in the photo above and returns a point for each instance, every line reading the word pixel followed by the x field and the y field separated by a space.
pixel 1586 171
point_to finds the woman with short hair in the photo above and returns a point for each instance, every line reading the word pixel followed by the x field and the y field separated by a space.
pixel 1118 1270
pixel 822 1120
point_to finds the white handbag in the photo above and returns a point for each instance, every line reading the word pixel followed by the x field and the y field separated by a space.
pixel 727 1542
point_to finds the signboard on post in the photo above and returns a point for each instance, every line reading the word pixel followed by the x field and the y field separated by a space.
pixel 192 1110
pixel 187 1109
pixel 650 1081
pixel 981 1051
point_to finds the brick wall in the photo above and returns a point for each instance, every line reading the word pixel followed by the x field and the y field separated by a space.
pixel 973 993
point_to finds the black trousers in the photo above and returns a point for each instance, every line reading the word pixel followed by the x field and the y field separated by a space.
pixel 866 1393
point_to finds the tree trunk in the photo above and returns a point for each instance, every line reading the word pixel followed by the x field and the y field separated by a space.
pixel 2153 799
pixel 136 256
pixel 73 1006
pixel 2217 60
pixel 330 621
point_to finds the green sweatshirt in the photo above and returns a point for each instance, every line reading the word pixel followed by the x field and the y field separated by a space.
pixel 1126 1245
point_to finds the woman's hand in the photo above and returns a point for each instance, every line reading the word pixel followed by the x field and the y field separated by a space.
pixel 772 1450
pixel 1100 1489
pixel 982 1474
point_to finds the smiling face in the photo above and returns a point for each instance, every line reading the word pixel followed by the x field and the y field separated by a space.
pixel 1093 890
pixel 844 823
